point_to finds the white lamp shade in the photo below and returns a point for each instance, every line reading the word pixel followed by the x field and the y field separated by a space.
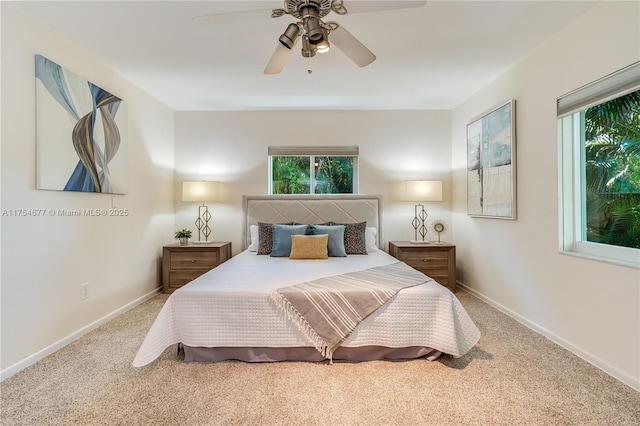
pixel 423 190
pixel 199 191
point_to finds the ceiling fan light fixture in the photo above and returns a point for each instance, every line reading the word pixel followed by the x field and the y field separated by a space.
pixel 324 46
pixel 311 23
pixel 290 36
pixel 314 31
pixel 308 50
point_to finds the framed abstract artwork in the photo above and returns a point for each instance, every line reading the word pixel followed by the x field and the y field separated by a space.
pixel 80 132
pixel 491 164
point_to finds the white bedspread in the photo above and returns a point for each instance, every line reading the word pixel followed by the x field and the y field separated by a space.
pixel 229 306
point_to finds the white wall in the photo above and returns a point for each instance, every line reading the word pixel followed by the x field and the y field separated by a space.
pixel 589 307
pixel 231 147
pixel 45 259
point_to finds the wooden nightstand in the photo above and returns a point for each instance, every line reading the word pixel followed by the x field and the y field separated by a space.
pixel 437 261
pixel 182 264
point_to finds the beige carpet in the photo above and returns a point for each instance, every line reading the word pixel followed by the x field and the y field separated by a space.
pixel 512 377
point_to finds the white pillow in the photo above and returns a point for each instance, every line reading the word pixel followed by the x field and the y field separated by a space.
pixel 253 232
pixel 370 239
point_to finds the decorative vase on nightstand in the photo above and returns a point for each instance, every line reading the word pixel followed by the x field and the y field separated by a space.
pixel 183 235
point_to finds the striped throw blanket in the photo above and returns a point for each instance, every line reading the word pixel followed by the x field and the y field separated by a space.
pixel 328 309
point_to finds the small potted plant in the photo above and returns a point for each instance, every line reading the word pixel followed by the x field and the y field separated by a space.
pixel 183 235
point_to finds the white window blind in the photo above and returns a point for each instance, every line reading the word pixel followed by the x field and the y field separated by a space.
pixel 613 85
pixel 336 151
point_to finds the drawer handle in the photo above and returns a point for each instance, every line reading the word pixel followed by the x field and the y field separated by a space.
pixel 193 261
pixel 425 260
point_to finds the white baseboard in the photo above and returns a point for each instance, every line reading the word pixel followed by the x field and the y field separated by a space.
pixel 32 359
pixel 591 359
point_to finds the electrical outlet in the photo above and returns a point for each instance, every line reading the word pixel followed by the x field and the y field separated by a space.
pixel 84 291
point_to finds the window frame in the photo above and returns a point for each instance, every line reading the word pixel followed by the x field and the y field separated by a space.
pixel 312 152
pixel 572 170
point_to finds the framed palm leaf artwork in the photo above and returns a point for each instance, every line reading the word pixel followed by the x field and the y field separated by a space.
pixel 80 131
pixel 491 163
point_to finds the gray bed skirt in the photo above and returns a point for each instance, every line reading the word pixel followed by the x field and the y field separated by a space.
pixel 364 353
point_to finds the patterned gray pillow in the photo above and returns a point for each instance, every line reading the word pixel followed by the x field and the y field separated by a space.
pixel 354 237
pixel 265 237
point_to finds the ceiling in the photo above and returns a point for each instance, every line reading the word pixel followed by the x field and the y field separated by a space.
pixel 432 57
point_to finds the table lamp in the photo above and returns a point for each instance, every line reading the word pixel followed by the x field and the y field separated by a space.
pixel 421 191
pixel 201 192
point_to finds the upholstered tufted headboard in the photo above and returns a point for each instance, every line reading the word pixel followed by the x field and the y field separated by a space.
pixel 343 208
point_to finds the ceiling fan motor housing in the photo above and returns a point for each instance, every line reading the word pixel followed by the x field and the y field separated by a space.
pixel 293 7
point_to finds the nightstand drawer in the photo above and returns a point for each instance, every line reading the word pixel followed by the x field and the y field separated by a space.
pixel 179 278
pixel 436 267
pixel 441 276
pixel 418 258
pixel 193 260
pixel 437 261
pixel 433 265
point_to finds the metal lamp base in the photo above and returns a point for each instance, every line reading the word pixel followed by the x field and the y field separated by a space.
pixel 418 223
pixel 202 224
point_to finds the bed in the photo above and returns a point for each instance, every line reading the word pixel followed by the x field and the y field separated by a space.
pixel 233 311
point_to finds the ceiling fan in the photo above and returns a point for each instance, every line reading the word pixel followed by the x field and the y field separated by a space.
pixel 317 35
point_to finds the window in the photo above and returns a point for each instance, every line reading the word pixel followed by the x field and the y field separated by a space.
pixel 313 170
pixel 599 159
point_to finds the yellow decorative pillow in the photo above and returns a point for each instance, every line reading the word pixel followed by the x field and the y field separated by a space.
pixel 309 247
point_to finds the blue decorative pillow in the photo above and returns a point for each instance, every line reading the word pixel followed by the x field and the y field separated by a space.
pixel 309 226
pixel 282 238
pixel 336 238
pixel 265 237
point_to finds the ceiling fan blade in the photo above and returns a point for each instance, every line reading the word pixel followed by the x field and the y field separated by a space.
pixel 278 60
pixel 351 46
pixel 355 6
pixel 230 17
